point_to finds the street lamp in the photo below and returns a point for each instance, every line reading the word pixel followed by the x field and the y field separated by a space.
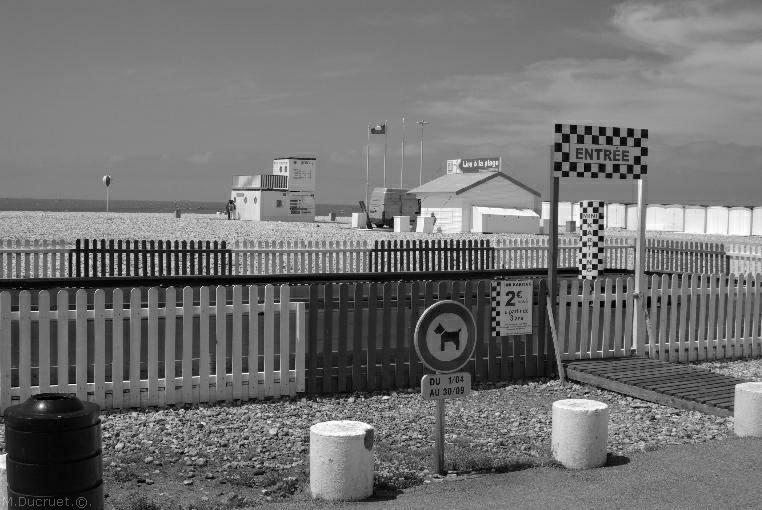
pixel 420 170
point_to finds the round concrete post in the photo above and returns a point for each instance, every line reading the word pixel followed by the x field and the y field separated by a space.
pixel 747 409
pixel 3 481
pixel 579 433
pixel 341 460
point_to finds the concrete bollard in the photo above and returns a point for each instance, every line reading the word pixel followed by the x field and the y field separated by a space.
pixel 579 433
pixel 358 220
pixel 747 409
pixel 3 481
pixel 341 460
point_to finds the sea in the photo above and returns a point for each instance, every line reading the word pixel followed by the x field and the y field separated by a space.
pixel 142 206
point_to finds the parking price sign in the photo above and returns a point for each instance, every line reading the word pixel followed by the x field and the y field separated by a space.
pixel 511 307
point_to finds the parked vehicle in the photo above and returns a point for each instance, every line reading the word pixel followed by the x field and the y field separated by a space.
pixel 386 203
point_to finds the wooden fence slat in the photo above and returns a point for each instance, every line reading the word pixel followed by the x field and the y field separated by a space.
pixel 269 345
pixel 584 330
pixel 629 309
pixel 617 344
pixel 300 347
pixel 719 333
pixel 236 349
pixel 682 336
pixel 187 360
pixel 561 324
pixel 343 341
pixel 5 351
pixel 574 344
pixel 153 346
pixel 357 336
pixel 135 340
pixel 255 389
pixel 748 298
pixel 756 342
pixel 711 326
pixel 595 352
pixel 730 303
pixel 220 342
pixel 415 313
pixel 170 326
pixel 204 358
pixel 701 318
pixel 608 297
pixel 737 338
pixel 387 370
pixel 117 348
pixel 674 296
pixel 402 353
pixel 25 344
pixel 312 340
pixel 99 347
pixel 285 338
pixel 654 316
pixel 44 341
pixel 328 329
pixel 371 335
pixel 62 326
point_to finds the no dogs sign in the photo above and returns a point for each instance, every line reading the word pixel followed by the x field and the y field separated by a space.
pixel 445 336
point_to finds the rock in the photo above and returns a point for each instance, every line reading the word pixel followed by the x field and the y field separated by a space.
pixel 119 446
pixel 187 482
pixel 148 460
pixel 273 431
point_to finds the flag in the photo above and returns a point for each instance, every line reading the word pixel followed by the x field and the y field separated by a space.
pixel 378 129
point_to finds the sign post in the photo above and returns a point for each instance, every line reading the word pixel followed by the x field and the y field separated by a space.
pixel 107 183
pixel 444 339
pixel 599 152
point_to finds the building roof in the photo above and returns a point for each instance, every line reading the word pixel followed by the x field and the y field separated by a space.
pixel 310 158
pixel 460 183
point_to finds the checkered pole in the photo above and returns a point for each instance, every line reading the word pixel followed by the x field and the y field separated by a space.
pixel 591 257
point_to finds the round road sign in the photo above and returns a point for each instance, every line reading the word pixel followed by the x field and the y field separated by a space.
pixel 445 336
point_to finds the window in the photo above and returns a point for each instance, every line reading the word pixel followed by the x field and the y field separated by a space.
pixel 279 203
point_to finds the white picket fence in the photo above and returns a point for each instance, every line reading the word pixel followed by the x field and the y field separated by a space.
pixel 99 342
pixel 693 317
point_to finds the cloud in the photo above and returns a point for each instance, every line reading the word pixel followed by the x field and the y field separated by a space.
pixel 200 159
pixel 699 80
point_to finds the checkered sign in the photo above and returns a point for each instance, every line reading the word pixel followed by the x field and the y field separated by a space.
pixel 511 307
pixel 591 257
pixel 600 152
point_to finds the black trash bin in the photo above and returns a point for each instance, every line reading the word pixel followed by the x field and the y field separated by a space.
pixel 53 446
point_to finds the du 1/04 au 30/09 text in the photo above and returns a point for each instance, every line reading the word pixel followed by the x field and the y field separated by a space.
pixel 454 385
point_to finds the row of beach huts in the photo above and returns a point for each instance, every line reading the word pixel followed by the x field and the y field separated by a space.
pixel 690 219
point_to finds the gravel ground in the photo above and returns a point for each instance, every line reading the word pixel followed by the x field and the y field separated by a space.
pixel 245 455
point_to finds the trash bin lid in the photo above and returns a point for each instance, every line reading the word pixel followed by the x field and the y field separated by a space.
pixel 50 412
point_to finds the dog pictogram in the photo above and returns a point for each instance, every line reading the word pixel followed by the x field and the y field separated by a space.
pixel 447 336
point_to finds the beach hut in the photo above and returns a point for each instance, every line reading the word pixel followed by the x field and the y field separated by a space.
pixel 694 221
pixel 674 218
pixel 756 221
pixel 458 199
pixel 616 215
pixel 655 217
pixel 739 221
pixel 717 220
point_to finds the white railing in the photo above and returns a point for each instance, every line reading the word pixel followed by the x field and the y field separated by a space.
pixel 117 370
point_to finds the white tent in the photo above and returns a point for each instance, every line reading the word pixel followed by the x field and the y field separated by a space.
pixel 756 221
pixel 739 221
pixel 632 216
pixel 564 212
pixel 717 220
pixel 655 217
pixel 695 219
pixel 674 220
pixel 616 215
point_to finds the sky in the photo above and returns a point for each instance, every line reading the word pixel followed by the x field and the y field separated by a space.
pixel 173 98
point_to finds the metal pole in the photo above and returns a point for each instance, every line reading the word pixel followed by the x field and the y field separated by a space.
pixel 439 443
pixel 402 166
pixel 367 168
pixel 420 170
pixel 106 198
pixel 553 245
pixel 386 133
pixel 640 244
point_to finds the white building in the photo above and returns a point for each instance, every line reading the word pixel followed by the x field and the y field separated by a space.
pixel 460 202
pixel 288 194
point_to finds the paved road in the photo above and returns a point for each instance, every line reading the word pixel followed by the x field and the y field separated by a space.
pixel 721 474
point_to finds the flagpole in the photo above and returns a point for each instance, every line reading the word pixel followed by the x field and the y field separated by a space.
pixel 402 166
pixel 386 134
pixel 367 168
